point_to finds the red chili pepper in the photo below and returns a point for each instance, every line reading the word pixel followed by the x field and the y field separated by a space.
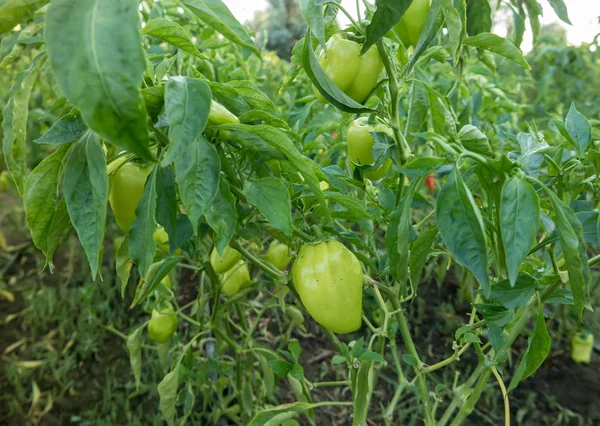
pixel 430 181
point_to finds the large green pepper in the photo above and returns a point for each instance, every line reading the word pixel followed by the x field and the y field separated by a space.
pixel 126 190
pixel 355 75
pixel 360 145
pixel 162 325
pixel 329 280
pixel 409 28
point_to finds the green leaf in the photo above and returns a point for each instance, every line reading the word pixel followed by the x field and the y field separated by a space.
pixel 475 140
pixel 387 14
pixel 86 193
pixel 172 33
pixel 361 394
pixel 461 226
pixel 59 228
pixel 14 121
pixel 167 391
pixel 421 166
pixel 134 349
pixel 275 415
pixel 498 45
pixel 589 223
pixel 323 83
pixel 41 195
pixel 519 222
pixel 282 143
pixel 494 314
pixel 142 246
pixel 444 119
pixel 96 54
pixel 397 239
pixel 514 295
pixel 222 216
pixel 574 250
pixel 156 272
pixel 216 14
pixel 538 349
pixel 419 250
pixel 124 264
pixel 479 17
pixel 579 129
pixel 197 175
pixel 312 11
pixel 67 129
pixel 13 12
pixel 561 10
pixel 187 105
pixel 272 199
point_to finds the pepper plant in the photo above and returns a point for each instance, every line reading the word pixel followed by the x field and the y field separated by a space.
pixel 405 159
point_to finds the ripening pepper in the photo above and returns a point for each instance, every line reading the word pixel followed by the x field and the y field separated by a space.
pixel 409 28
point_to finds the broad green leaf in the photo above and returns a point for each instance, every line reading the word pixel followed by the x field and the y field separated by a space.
pixel 13 12
pixel 323 83
pixel 419 109
pixel 419 250
pixel 512 296
pixel 589 223
pixel 255 98
pixel 222 216
pixel 475 140
pixel 156 272
pixel 498 45
pixel 579 129
pixel 172 33
pixel 461 226
pixel 86 193
pixel 187 105
pixel 142 246
pixel 14 121
pixel 519 222
pixel 167 391
pixel 272 199
pixel 361 394
pixel 397 239
pixel 216 14
pixel 479 17
pixel 134 349
pixel 354 207
pixel 197 175
pixel 494 314
pixel 124 264
pixel 96 53
pixel 574 250
pixel 444 119
pixel 41 195
pixel 387 14
pixel 538 348
pixel 312 11
pixel 67 129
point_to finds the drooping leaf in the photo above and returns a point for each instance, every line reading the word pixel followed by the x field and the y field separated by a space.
pixel 172 33
pixel 498 45
pixel 67 129
pixel 461 226
pixel 96 54
pixel 272 199
pixel 222 216
pixel 142 246
pixel 86 193
pixel 519 222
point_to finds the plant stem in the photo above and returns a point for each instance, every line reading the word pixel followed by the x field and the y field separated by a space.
pixel 338 383
pixel 255 260
pixel 504 397
pixel 412 350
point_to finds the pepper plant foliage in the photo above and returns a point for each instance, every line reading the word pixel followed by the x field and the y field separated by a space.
pixel 513 206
